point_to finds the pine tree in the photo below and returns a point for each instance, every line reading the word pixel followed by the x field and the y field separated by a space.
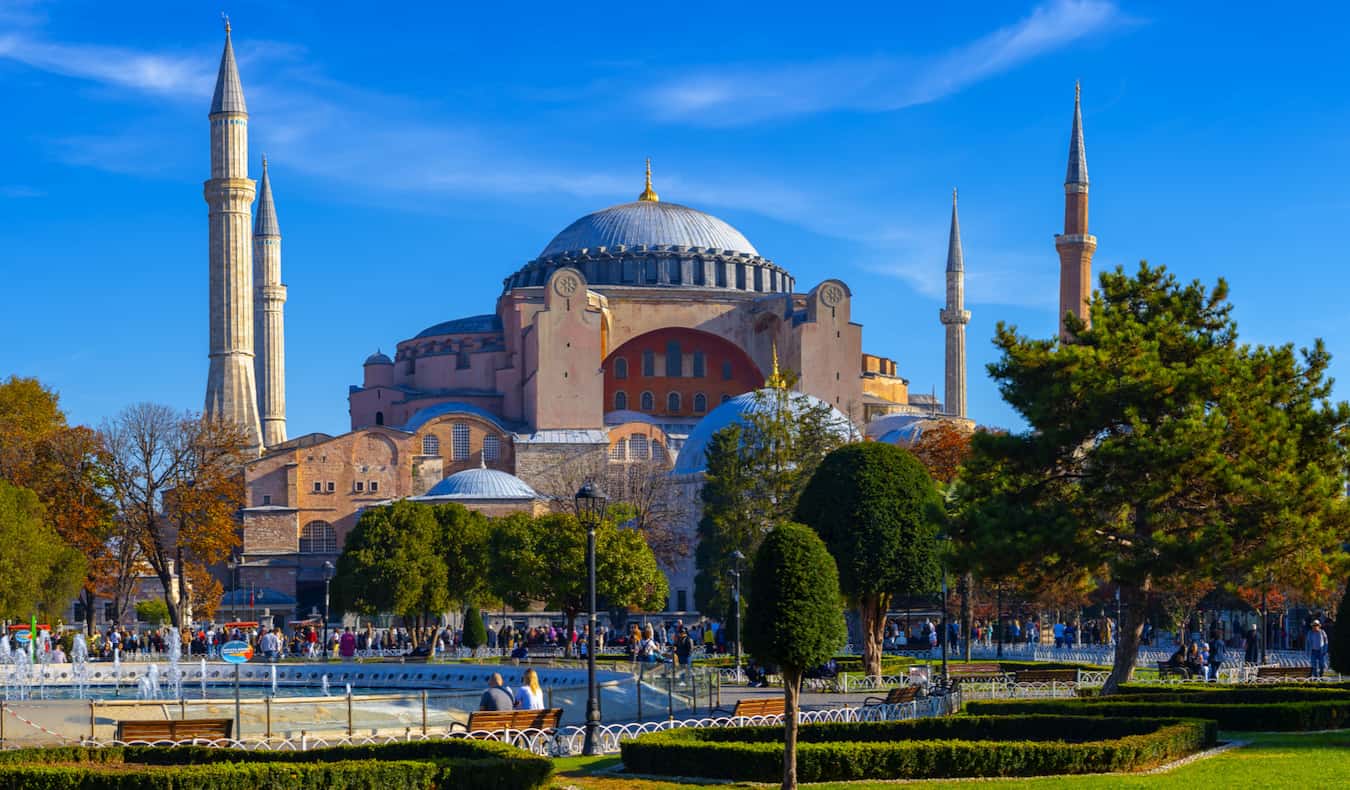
pixel 475 633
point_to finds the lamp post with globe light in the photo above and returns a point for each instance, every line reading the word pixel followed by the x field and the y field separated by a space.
pixel 327 582
pixel 590 504
pixel 736 559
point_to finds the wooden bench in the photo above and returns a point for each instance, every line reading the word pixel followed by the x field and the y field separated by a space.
pixel 1166 670
pixel 758 706
pixel 159 730
pixel 974 672
pixel 1276 673
pixel 900 695
pixel 1047 676
pixel 490 721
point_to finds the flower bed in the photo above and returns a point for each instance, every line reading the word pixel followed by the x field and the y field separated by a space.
pixel 469 765
pixel 1229 709
pixel 927 748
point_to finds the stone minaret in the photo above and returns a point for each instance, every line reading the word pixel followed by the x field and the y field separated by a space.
pixel 1075 245
pixel 269 301
pixel 954 317
pixel 230 391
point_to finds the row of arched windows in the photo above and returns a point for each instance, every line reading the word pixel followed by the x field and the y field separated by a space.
pixel 674 364
pixel 637 448
pixel 674 402
pixel 459 444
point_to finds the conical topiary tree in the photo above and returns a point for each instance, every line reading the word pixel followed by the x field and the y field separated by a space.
pixel 475 633
pixel 1340 635
pixel 795 619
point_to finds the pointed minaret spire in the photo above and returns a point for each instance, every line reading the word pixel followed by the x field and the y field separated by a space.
pixel 647 194
pixel 1075 245
pixel 954 317
pixel 231 392
pixel 269 302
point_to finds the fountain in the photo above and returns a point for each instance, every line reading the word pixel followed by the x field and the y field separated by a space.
pixel 174 647
pixel 326 692
pixel 117 672
pixel 202 677
pixel 79 663
pixel 274 680
pixel 148 686
pixel 44 660
pixel 21 675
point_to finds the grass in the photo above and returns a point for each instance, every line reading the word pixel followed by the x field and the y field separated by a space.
pixel 1274 760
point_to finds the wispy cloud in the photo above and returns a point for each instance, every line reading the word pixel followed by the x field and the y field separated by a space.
pixel 747 94
pixel 157 74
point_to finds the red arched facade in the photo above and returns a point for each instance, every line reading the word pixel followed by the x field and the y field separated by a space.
pixel 677 372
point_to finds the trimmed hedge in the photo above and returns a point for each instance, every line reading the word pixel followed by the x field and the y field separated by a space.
pixel 1203 688
pixel 458 764
pixel 1230 715
pixel 923 748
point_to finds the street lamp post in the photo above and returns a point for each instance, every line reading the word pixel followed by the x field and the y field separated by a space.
pixel 327 581
pixel 946 629
pixel 590 505
pixel 736 559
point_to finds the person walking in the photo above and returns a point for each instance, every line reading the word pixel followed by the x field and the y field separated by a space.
pixel 1218 653
pixel 1252 651
pixel 684 647
pixel 1316 643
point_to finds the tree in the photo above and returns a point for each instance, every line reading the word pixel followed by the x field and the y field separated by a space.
pixel 177 484
pixel 1340 635
pixel 877 510
pixel 41 573
pixel 392 562
pixel 152 611
pixel 475 633
pixel 1161 454
pixel 942 448
pixel 795 620
pixel 545 560
pixel 755 474
pixel 462 542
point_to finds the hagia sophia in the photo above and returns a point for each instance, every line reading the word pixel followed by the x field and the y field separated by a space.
pixel 632 336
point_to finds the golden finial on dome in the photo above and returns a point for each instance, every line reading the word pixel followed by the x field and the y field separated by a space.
pixel 776 378
pixel 647 194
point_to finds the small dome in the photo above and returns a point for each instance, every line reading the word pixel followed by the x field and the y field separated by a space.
pixel 481 484
pixel 651 223
pixel 902 429
pixel 378 358
pixel 693 454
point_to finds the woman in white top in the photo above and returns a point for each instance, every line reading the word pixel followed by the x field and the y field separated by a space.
pixel 530 696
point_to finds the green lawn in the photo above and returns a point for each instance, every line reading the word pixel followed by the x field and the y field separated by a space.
pixel 1276 760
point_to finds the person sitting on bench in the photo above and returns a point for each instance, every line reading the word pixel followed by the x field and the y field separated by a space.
pixel 496 697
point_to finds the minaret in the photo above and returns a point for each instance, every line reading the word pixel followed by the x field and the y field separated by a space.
pixel 269 300
pixel 230 391
pixel 954 317
pixel 1075 245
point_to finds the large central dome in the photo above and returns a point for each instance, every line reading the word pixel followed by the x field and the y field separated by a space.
pixel 649 223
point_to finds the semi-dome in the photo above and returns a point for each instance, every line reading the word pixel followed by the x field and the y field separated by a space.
pixel 481 484
pixel 693 455
pixel 650 223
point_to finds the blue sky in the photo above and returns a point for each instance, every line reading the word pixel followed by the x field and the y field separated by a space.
pixel 419 155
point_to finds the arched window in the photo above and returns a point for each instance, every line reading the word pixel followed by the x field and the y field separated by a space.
pixel 658 452
pixel 700 403
pixel 619 452
pixel 620 401
pixel 673 403
pixel 379 418
pixel 638 448
pixel 674 360
pixel 431 445
pixel 492 447
pixel 620 368
pixel 648 401
pixel 318 537
pixel 649 363
pixel 699 365
pixel 459 436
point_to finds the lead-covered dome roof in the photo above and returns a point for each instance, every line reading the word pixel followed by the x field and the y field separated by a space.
pixel 481 484
pixel 650 223
pixel 693 455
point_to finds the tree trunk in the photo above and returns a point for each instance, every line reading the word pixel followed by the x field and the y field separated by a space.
pixel 1130 631
pixel 872 621
pixel 87 598
pixel 967 584
pixel 567 636
pixel 792 686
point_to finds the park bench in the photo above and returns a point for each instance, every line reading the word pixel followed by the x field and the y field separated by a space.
pixel 1047 676
pixel 958 673
pixel 758 707
pixel 1166 670
pixel 173 730
pixel 1283 673
pixel 492 721
pixel 900 695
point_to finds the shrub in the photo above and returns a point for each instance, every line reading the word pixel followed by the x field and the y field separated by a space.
pixel 459 764
pixel 475 633
pixel 1231 715
pixel 923 748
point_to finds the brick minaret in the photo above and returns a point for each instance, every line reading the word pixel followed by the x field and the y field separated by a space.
pixel 230 391
pixel 954 317
pixel 1075 245
pixel 269 301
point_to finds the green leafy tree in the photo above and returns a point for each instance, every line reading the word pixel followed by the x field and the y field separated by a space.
pixel 877 510
pixel 1340 635
pixel 544 559
pixel 475 633
pixel 755 474
pixel 1161 455
pixel 796 618
pixel 41 572
pixel 463 543
pixel 152 611
pixel 392 562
